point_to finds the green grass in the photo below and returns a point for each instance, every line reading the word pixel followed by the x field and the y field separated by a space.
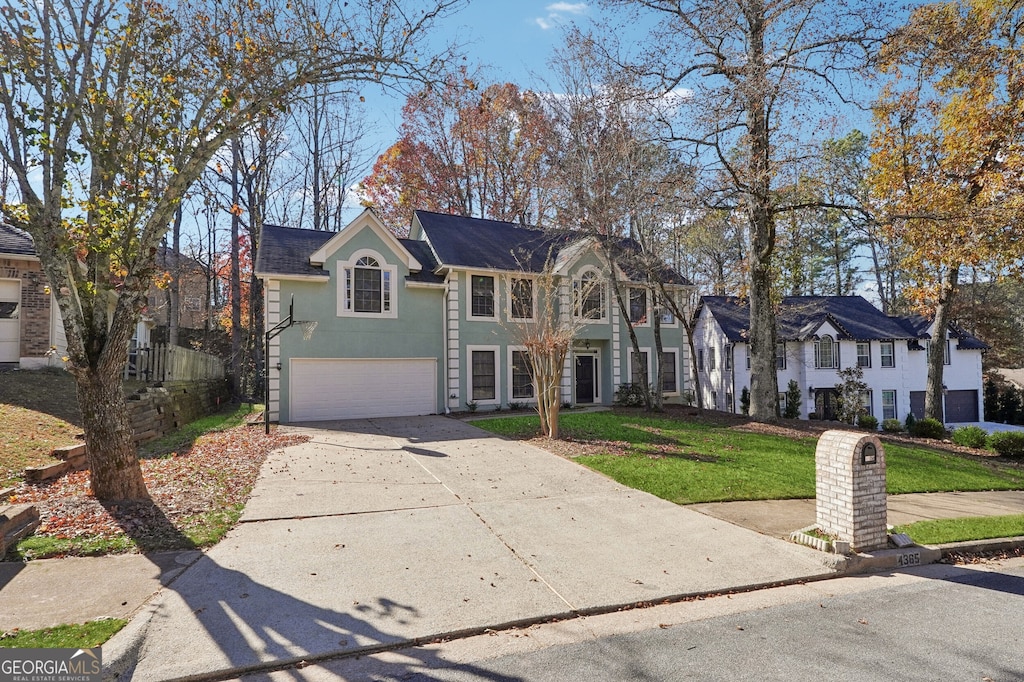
pixel 43 546
pixel 958 530
pixel 85 636
pixel 692 461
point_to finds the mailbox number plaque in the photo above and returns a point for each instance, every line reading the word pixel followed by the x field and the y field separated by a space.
pixel 908 559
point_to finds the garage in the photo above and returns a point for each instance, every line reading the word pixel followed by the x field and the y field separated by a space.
pixel 961 406
pixel 10 324
pixel 323 389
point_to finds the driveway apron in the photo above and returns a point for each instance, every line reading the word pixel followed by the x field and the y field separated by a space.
pixel 393 530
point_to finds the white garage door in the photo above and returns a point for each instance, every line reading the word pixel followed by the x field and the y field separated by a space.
pixel 354 389
pixel 10 325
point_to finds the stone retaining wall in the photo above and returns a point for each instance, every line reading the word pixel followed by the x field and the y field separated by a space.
pixel 161 409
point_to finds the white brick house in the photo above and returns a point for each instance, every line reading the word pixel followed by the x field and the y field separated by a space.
pixel 819 335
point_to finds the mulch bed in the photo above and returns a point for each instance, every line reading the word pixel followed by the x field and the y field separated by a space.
pixel 209 478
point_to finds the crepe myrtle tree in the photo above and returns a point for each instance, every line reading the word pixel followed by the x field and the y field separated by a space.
pixel 111 109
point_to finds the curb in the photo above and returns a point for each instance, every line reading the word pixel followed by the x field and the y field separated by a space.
pixel 981 546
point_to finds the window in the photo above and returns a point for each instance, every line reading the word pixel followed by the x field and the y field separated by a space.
pixel 521 296
pixel 700 359
pixel 668 372
pixel 369 287
pixel 482 295
pixel 637 366
pixel 714 400
pixel 783 400
pixel 667 318
pixel 729 406
pixel 483 376
pixel 825 353
pixel 522 379
pixel 748 355
pixel 727 358
pixel 888 352
pixel 590 303
pixel 711 359
pixel 865 402
pixel 888 404
pixel 780 355
pixel 864 354
pixel 637 305
pixel 193 304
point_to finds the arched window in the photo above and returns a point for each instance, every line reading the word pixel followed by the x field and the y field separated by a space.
pixel 826 353
pixel 368 286
pixel 590 302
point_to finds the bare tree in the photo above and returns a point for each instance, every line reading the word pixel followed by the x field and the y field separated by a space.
pixel 750 71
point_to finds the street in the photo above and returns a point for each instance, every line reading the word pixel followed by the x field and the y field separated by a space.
pixel 938 622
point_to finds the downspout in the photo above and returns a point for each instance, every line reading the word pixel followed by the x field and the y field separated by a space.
pixel 732 364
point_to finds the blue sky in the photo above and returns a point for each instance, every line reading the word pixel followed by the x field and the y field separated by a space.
pixel 511 39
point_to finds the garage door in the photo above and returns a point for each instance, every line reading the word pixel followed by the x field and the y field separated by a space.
pixel 354 389
pixel 961 406
pixel 10 325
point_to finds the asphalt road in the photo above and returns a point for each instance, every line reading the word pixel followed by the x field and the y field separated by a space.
pixel 934 623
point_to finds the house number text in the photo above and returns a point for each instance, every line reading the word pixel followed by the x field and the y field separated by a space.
pixel 908 559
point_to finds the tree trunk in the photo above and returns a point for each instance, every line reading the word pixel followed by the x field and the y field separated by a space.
pixel 236 274
pixel 114 468
pixel 174 290
pixel 937 354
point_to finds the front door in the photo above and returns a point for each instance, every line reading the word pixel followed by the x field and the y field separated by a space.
pixel 825 403
pixel 585 378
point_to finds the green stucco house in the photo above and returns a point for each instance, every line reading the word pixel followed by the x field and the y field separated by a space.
pixel 426 325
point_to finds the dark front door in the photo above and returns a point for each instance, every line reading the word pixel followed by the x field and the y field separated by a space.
pixel 585 378
pixel 825 403
pixel 962 406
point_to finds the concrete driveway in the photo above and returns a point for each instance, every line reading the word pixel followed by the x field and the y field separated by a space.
pixel 383 531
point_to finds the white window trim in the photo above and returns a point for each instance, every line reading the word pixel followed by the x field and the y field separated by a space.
pixel 345 265
pixel 857 346
pixel 470 317
pixel 577 302
pixel 508 291
pixel 647 305
pixel 508 363
pixel 895 410
pixel 497 374
pixel 629 367
pixel 784 357
pixel 881 357
pixel 835 353
pixel 677 353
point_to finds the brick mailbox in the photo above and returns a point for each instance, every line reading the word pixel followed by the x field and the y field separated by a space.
pixel 851 502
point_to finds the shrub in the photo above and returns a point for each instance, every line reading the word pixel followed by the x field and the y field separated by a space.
pixel 928 428
pixel 908 423
pixel 794 396
pixel 892 426
pixel 970 436
pixel 745 401
pixel 472 405
pixel 517 406
pixel 630 395
pixel 1007 443
pixel 868 421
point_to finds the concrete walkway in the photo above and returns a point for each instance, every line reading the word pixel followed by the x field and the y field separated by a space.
pixel 386 531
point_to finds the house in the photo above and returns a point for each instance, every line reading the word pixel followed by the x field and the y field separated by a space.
pixel 817 336
pixel 425 325
pixel 31 328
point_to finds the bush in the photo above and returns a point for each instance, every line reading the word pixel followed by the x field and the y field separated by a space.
pixel 1007 443
pixel 867 421
pixel 794 396
pixel 928 428
pixel 630 395
pixel 745 401
pixel 909 422
pixel 970 436
pixel 892 426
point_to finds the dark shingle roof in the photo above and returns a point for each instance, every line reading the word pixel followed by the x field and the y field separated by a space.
pixel 15 241
pixel 286 250
pixel 491 244
pixel 800 317
pixel 421 252
pixel 921 326
pixel 497 245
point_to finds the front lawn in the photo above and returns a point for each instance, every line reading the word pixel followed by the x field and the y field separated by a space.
pixel 690 460
pixel 940 531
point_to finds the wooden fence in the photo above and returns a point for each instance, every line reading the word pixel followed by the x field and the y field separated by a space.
pixel 163 362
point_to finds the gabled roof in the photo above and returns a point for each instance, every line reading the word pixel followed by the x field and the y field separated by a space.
pixel 922 327
pixel 801 317
pixel 15 242
pixel 285 252
pixel 464 242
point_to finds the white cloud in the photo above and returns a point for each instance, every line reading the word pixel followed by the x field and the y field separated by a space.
pixel 568 7
pixel 556 12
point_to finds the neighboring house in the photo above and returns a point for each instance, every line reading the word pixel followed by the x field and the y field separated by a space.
pixel 31 327
pixel 193 297
pixel 817 336
pixel 426 325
